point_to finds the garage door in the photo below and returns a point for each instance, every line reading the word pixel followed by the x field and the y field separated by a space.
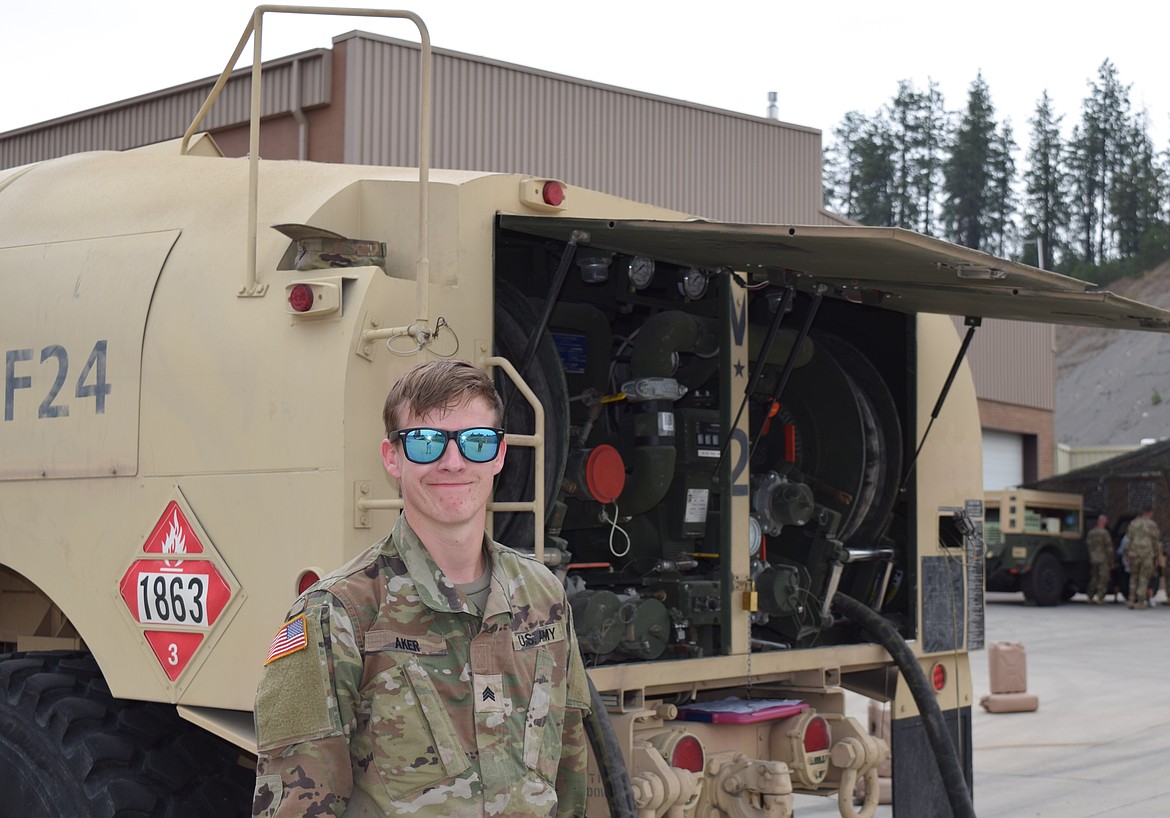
pixel 1003 460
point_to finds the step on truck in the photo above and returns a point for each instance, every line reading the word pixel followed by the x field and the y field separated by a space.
pixel 751 453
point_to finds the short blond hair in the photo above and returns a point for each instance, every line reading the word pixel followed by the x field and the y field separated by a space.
pixel 435 385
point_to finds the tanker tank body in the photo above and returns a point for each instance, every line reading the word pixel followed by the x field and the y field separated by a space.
pixel 249 421
pixel 184 453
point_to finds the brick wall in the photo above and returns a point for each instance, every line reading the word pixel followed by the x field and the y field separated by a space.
pixel 1035 424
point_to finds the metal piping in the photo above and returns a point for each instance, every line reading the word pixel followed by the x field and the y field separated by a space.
pixel 251 286
pixel 299 113
pixel 537 442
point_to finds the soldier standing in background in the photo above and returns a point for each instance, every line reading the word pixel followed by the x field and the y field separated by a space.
pixel 438 673
pixel 1100 546
pixel 1143 546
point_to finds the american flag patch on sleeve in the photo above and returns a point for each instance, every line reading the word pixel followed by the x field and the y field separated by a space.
pixel 289 639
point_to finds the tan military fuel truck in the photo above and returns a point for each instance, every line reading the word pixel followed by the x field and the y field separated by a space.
pixel 752 453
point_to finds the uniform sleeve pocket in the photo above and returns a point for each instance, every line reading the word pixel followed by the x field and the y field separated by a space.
pixel 295 700
pixel 405 731
pixel 545 720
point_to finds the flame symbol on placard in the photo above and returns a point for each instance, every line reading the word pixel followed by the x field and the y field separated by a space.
pixel 175 543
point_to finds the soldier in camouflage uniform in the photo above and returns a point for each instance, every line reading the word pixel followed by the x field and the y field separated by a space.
pixel 1143 545
pixel 1100 546
pixel 438 673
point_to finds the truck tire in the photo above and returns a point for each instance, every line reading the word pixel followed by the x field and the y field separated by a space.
pixel 1026 590
pixel 1044 584
pixel 68 749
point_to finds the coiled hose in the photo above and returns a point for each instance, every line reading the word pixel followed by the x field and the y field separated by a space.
pixel 945 755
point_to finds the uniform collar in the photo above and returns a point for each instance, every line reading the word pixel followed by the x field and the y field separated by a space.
pixel 434 588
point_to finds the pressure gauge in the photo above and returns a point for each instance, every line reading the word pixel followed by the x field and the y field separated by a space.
pixel 641 272
pixel 693 284
pixel 755 535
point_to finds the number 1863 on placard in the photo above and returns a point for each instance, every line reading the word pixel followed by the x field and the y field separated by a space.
pixel 172 598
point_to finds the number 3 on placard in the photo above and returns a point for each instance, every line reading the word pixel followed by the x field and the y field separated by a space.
pixel 173 654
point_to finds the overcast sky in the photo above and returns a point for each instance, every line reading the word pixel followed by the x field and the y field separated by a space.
pixel 822 58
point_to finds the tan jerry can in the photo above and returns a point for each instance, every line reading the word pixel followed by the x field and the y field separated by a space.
pixel 1008 679
pixel 1007 667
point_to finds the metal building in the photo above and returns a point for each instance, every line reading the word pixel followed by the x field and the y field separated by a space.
pixel 358 102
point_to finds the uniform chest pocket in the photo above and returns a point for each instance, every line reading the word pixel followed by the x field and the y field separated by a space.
pixel 405 733
pixel 544 722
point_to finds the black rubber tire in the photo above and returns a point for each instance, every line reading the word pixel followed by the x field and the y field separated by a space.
pixel 1044 584
pixel 1026 590
pixel 68 749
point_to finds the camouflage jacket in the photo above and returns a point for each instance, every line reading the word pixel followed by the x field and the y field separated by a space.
pixel 1100 546
pixel 1143 538
pixel 401 701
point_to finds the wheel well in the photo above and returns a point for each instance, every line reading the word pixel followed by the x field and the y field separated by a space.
pixel 29 619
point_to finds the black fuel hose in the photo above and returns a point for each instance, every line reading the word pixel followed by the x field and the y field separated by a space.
pixel 615 776
pixel 945 755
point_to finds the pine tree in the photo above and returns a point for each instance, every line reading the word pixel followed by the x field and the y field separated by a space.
pixel 1001 227
pixel 1097 161
pixel 1135 201
pixel 860 170
pixel 1046 184
pixel 1100 196
pixel 934 133
pixel 968 172
pixel 842 165
pixel 874 202
pixel 1083 159
pixel 905 115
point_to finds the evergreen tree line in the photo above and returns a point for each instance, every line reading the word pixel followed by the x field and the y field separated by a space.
pixel 1094 205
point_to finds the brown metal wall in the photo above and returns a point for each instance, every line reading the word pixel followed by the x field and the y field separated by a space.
pixel 1014 362
pixel 494 116
pixel 166 114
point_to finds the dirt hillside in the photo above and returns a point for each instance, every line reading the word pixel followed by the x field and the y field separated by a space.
pixel 1113 387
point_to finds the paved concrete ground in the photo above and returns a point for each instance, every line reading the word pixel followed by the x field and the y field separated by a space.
pixel 1099 746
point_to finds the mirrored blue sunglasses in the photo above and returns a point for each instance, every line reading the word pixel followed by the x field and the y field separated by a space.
pixel 480 444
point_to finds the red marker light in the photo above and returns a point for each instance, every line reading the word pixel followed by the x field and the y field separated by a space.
pixel 306 581
pixel 553 193
pixel 300 298
pixel 816 735
pixel 688 754
pixel 938 677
